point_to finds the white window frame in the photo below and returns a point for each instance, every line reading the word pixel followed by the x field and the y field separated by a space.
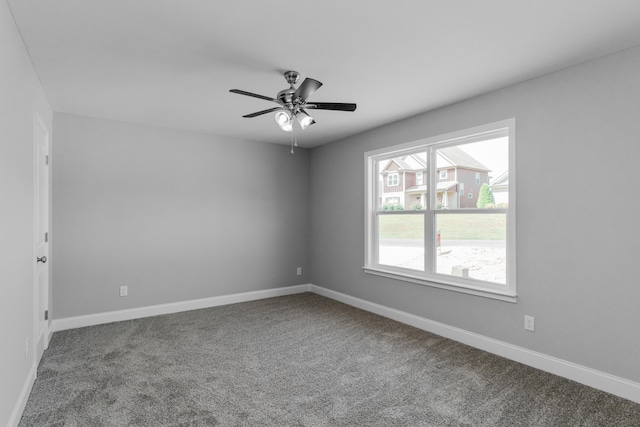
pixel 396 180
pixel 443 174
pixel 506 292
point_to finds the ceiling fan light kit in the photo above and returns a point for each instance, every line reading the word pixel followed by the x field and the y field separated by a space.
pixel 293 101
pixel 284 120
pixel 304 119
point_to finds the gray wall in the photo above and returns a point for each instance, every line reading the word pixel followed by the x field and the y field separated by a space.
pixel 173 215
pixel 21 97
pixel 578 149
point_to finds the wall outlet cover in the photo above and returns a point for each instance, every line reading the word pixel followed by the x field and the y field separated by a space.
pixel 529 323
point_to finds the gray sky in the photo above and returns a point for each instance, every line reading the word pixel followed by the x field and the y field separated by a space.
pixel 493 153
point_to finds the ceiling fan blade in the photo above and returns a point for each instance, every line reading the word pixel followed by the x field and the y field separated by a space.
pixel 305 89
pixel 259 113
pixel 255 95
pixel 338 106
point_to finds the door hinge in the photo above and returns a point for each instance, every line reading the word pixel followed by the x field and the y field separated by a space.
pixel 46 315
pixel 46 160
pixel 46 237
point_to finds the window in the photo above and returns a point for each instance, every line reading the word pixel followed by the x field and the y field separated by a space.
pixel 419 179
pixel 392 180
pixel 477 177
pixel 443 174
pixel 449 242
pixel 393 201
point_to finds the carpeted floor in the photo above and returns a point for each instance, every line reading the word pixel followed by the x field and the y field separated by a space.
pixel 299 360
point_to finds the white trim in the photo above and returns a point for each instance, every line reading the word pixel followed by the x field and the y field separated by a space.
pixel 600 380
pixel 155 310
pixel 443 283
pixel 18 409
pixel 40 341
pixel 597 379
pixel 428 276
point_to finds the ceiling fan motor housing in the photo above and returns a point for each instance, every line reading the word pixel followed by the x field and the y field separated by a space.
pixel 286 96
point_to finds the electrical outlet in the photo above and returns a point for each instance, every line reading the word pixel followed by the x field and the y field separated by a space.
pixel 124 291
pixel 26 348
pixel 299 271
pixel 529 323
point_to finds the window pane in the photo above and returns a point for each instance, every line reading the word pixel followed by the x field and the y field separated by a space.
pixel 473 246
pixel 474 175
pixel 401 183
pixel 401 241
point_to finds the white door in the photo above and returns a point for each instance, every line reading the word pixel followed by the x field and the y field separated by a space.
pixel 41 233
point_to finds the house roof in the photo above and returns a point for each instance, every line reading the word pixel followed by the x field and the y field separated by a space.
pixel 442 185
pixel 417 189
pixel 445 185
pixel 412 162
pixel 501 180
pixel 455 156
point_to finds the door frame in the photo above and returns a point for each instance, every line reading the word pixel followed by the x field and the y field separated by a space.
pixel 41 290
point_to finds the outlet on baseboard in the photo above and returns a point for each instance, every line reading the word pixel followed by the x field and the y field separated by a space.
pixel 299 271
pixel 124 291
pixel 529 323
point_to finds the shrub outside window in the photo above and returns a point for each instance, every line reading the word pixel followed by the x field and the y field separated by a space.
pixel 434 235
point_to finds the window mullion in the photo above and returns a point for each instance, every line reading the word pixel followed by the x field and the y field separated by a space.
pixel 429 252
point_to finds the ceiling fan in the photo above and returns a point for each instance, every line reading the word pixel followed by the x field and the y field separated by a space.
pixel 293 102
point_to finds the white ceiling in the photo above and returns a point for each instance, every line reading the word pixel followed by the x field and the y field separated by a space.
pixel 172 62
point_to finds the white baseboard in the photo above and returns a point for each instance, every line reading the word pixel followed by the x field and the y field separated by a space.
pixel 18 409
pixel 600 380
pixel 49 331
pixel 175 307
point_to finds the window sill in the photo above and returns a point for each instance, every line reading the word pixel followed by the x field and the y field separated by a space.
pixel 442 284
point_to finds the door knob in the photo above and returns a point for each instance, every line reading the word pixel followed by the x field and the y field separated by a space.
pixel 42 259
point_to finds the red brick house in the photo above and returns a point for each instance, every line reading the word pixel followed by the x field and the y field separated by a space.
pixel 459 175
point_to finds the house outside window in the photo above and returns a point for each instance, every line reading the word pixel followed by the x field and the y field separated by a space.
pixel 393 180
pixel 448 242
pixel 443 174
pixel 419 178
pixel 393 201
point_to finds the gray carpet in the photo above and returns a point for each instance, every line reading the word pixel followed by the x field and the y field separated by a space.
pixel 299 360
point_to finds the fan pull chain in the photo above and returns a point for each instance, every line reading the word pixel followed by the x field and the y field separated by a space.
pixel 294 139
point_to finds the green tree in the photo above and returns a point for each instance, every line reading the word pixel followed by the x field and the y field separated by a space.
pixel 485 197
